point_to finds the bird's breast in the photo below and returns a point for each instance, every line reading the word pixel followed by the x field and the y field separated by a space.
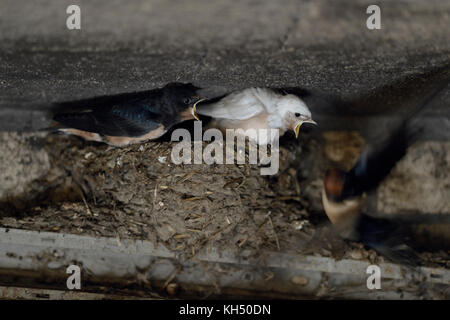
pixel 343 215
pixel 256 128
pixel 257 122
pixel 117 141
pixel 124 141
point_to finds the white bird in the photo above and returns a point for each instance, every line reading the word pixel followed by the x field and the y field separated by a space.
pixel 258 108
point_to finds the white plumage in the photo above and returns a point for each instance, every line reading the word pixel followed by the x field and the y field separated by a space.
pixel 258 108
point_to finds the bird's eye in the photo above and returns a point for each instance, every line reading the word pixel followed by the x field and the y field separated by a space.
pixel 187 101
pixel 297 114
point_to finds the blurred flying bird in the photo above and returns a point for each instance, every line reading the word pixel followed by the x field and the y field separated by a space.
pixel 344 193
pixel 130 118
pixel 257 108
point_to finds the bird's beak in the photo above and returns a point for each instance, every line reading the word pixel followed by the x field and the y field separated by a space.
pixel 194 110
pixel 299 124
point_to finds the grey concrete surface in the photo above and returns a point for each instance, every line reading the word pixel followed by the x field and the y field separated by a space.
pixel 127 46
pixel 228 271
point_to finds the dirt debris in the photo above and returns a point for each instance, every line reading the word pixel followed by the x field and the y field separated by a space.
pixel 128 192
pixel 98 190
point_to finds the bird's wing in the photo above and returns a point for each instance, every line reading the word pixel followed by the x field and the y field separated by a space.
pixel 377 160
pixel 125 119
pixel 388 238
pixel 236 106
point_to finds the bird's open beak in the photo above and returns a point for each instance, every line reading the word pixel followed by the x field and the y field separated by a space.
pixel 299 124
pixel 194 110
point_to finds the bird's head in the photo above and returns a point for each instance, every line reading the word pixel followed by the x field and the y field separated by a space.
pixel 185 97
pixel 294 112
pixel 333 184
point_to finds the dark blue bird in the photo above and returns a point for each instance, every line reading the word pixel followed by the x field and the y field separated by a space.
pixel 344 193
pixel 129 118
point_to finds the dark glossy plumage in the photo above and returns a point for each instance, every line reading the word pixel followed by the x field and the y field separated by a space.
pixel 131 114
pixel 377 160
pixel 387 237
pixel 343 188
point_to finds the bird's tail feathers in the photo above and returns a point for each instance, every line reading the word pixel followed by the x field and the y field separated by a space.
pixel 387 238
pixel 400 253
pixel 81 121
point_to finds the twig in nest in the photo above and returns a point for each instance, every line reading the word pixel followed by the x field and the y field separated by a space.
pixel 180 247
pixel 275 233
pixel 172 276
pixel 181 236
pixel 85 202
pixel 154 195
pixel 262 225
pixel 240 180
pixel 243 242
pixel 217 232
pixel 80 187
pixel 193 198
pixel 207 223
pixel 187 176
